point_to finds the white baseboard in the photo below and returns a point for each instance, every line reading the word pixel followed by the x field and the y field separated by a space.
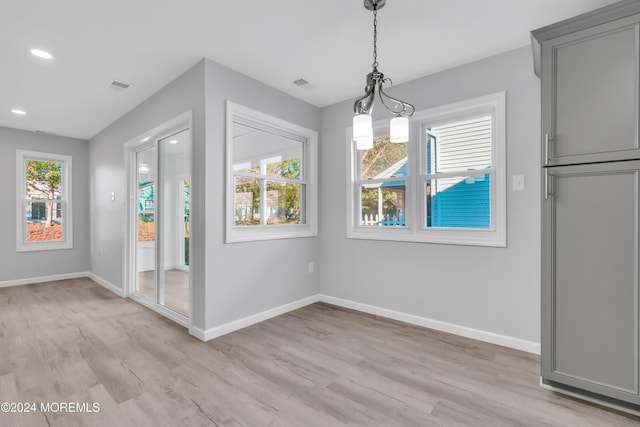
pixel 477 334
pixel 29 281
pixel 490 337
pixel 199 333
pixel 110 286
pixel 211 333
pixel 42 279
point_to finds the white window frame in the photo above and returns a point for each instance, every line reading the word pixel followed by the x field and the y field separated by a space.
pixel 415 208
pixel 21 202
pixel 309 178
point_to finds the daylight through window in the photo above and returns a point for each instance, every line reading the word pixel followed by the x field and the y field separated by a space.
pixel 271 177
pixel 44 217
pixel 446 185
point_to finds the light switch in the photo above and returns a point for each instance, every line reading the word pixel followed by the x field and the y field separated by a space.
pixel 113 196
pixel 517 182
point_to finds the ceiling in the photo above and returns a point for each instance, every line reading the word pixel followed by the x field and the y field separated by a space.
pixel 148 43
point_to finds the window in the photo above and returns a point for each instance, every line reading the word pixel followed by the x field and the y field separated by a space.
pixel 271 177
pixel 43 201
pixel 447 185
pixel 382 183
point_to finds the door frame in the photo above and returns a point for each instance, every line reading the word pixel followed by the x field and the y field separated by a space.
pixel 148 139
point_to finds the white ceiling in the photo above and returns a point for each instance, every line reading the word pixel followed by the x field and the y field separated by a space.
pixel 147 43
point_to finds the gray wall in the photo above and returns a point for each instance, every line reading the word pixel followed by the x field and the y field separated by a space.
pixel 26 265
pixel 247 278
pixel 490 289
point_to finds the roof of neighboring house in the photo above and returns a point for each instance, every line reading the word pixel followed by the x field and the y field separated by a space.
pixel 399 168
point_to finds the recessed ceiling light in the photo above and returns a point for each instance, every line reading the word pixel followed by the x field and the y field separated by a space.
pixel 41 53
pixel 18 112
pixel 173 141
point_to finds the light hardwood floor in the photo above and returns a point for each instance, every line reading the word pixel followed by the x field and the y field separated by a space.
pixel 73 341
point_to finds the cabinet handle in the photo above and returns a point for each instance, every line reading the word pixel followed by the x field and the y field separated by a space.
pixel 546 184
pixel 546 149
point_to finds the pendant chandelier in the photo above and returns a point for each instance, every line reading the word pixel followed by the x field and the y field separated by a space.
pixel 362 124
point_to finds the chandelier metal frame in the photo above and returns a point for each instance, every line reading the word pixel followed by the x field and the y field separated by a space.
pixel 375 80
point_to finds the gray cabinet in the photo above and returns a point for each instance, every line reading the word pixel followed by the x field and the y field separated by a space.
pixel 590 91
pixel 590 292
pixel 590 79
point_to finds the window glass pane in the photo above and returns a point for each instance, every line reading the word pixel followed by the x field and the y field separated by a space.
pixel 383 204
pixel 286 168
pixel 283 203
pixel 459 146
pixel 262 152
pixel 460 202
pixel 43 185
pixel 44 196
pixel 44 180
pixel 384 160
pixel 146 210
pixel 247 201
pixel 44 221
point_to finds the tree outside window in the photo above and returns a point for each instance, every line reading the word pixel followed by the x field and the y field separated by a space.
pixel 44 209
pixel 271 177
pixel 44 185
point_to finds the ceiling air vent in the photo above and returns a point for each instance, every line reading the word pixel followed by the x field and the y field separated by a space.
pixel 118 86
pixel 303 84
pixel 300 82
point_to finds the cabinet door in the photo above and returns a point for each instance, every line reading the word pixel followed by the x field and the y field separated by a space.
pixel 590 94
pixel 590 292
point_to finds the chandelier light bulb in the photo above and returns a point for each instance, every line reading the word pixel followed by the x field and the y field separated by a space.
pixel 399 129
pixel 363 131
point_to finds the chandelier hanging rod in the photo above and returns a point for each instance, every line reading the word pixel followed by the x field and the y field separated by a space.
pixel 375 80
pixel 363 106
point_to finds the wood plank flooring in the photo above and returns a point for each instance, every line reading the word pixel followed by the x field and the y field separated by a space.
pixel 73 341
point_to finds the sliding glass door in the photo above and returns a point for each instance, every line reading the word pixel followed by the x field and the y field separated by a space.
pixel 174 164
pixel 162 224
pixel 147 174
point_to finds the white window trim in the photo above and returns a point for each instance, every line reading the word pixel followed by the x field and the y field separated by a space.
pixel 414 231
pixel 236 234
pixel 67 230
